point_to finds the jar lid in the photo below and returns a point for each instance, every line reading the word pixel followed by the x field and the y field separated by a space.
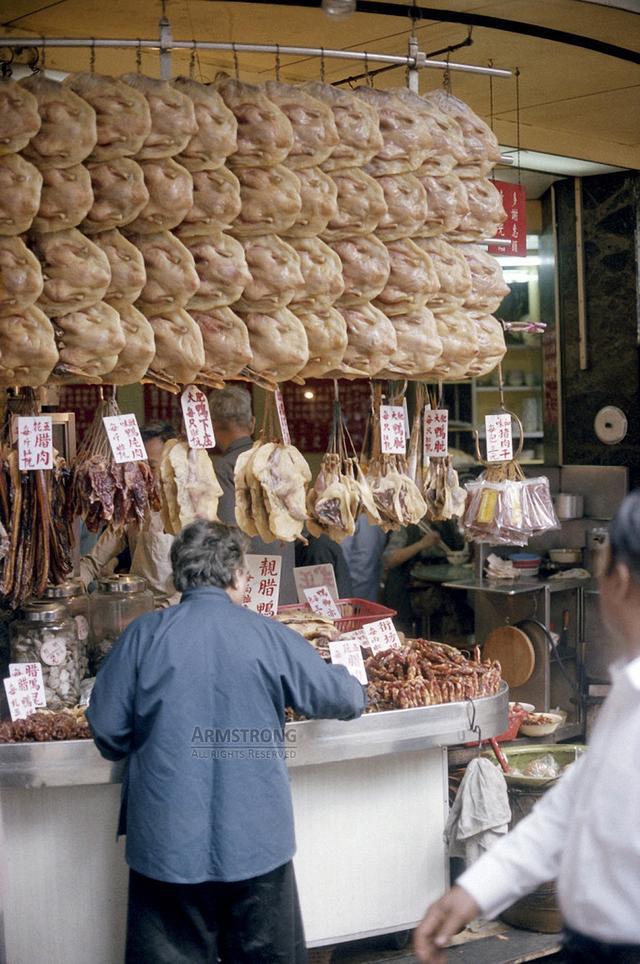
pixel 37 611
pixel 66 589
pixel 122 584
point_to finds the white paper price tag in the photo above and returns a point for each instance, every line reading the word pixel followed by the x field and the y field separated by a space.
pixel 499 439
pixel 311 577
pixel 19 697
pixel 393 439
pixel 347 652
pixel 381 635
pixel 124 438
pixel 35 442
pixel 197 418
pixel 282 417
pixel 33 673
pixel 436 432
pixel 321 602
pixel 263 583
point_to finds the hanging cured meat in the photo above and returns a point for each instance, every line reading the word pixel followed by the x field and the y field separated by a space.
pixel 226 342
pixel 170 188
pixel 28 350
pixel 357 125
pixel 173 118
pixel 361 205
pixel 270 200
pixel 128 276
pixel 123 119
pixel 372 342
pixel 20 276
pixel 222 270
pixel 321 273
pixel 488 286
pixel 67 133
pixel 216 202
pixel 327 339
pixel 279 345
pixel 274 267
pixel 459 334
pixel 172 279
pixel 406 137
pixel 486 212
pixel 407 211
pixel 179 353
pixel 366 264
pixel 76 272
pixel 318 204
pixel 447 141
pixel 189 487
pixel 20 188
pixel 419 345
pixel 314 130
pixel 413 280
pixel 216 136
pixel 89 342
pixel 447 204
pixel 491 345
pixel 265 136
pixel 139 348
pixel 480 143
pixel 19 117
pixel 65 200
pixel 452 270
pixel 119 194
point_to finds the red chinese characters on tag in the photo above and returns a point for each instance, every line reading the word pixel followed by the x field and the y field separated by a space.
pixel 282 417
pixel 311 577
pixel 124 438
pixel 35 442
pixel 347 652
pixel 514 229
pixel 381 635
pixel 393 438
pixel 499 439
pixel 263 583
pixel 320 601
pixel 436 433
pixel 197 418
pixel 30 679
pixel 19 697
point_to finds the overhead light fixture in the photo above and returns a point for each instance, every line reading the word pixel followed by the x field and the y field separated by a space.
pixel 309 394
pixel 338 9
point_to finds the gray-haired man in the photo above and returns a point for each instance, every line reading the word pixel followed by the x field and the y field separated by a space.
pixel 194 696
pixel 233 424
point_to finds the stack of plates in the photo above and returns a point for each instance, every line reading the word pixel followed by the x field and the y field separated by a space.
pixel 527 564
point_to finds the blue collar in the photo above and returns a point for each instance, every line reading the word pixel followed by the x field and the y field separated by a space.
pixel 213 591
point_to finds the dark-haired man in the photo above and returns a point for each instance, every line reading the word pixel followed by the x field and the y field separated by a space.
pixel 585 831
pixel 194 697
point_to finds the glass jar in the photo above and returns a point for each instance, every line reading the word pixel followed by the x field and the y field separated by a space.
pixel 72 594
pixel 117 602
pixel 45 633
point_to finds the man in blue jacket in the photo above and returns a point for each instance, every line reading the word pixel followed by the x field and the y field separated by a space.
pixel 194 697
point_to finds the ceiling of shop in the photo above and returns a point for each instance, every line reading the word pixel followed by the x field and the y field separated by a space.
pixel 574 101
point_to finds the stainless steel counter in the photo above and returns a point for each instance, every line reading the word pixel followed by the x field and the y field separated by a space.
pixel 308 743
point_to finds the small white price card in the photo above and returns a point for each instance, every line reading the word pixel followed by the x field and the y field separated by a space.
pixel 124 438
pixel 19 697
pixel 393 439
pixel 282 417
pixel 35 442
pixel 311 577
pixel 499 440
pixel 197 418
pixel 321 602
pixel 436 433
pixel 347 652
pixel 263 583
pixel 381 635
pixel 33 673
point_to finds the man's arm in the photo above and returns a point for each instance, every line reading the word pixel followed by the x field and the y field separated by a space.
pixel 315 688
pixel 111 707
pixel 108 547
pixel 528 856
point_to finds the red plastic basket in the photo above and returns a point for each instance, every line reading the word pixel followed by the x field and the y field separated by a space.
pixel 354 613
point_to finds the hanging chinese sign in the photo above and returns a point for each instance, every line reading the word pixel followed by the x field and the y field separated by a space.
pixel 514 229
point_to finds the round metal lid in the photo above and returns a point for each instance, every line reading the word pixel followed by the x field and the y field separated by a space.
pixel 66 589
pixel 122 584
pixel 39 611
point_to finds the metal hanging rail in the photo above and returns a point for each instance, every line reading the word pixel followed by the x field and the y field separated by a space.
pixel 416 61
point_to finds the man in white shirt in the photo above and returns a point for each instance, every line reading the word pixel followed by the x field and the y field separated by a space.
pixel 585 831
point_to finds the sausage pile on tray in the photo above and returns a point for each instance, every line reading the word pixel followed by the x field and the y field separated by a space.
pixel 425 673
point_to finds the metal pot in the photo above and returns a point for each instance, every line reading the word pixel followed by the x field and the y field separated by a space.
pixel 569 506
pixel 564 556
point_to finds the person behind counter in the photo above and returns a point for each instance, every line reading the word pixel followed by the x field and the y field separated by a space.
pixel 585 830
pixel 148 545
pixel 233 426
pixel 208 817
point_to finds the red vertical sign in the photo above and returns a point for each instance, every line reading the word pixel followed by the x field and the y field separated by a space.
pixel 514 229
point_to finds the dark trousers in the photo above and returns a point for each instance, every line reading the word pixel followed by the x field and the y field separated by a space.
pixel 254 921
pixel 578 949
